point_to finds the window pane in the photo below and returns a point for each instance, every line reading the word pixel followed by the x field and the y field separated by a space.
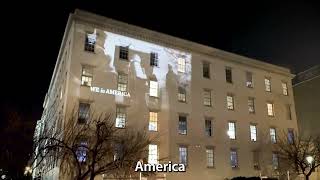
pixel 181 94
pixel 267 83
pixel 154 59
pixel 181 65
pixel 256 160
pixel 121 117
pixel 234 158
pixel 232 130
pixel 228 75
pixel 183 155
pixel 153 121
pixel 90 42
pixel 208 127
pixel 284 89
pixel 84 111
pixel 270 109
pixel 251 105
pixel 275 161
pixel 273 135
pixel 290 136
pixel 123 54
pixel 153 88
pixel 206 69
pixel 230 102
pixel 210 157
pixel 81 151
pixel 153 154
pixel 207 98
pixel 182 125
pixel 253 132
pixel 249 82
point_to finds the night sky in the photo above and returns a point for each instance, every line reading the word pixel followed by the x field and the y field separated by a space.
pixel 286 34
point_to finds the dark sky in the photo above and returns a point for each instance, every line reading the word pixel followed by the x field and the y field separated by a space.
pixel 285 34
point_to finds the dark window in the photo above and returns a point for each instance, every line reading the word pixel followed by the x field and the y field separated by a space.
pixel 290 136
pixel 84 111
pixel 90 42
pixel 206 69
pixel 208 127
pixel 123 54
pixel 183 125
pixel 228 75
pixel 154 59
pixel 249 82
pixel 182 94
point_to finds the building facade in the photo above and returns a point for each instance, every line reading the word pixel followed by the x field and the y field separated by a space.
pixel 217 112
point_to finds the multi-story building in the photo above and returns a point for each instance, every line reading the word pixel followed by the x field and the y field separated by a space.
pixel 213 110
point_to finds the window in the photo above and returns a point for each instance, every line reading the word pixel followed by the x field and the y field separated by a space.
pixel 153 121
pixel 181 65
pixel 230 102
pixel 270 109
pixel 228 74
pixel 234 158
pixel 122 82
pixel 290 136
pixel 206 70
pixel 123 53
pixel 90 42
pixel 267 83
pixel 251 105
pixel 153 89
pixel 207 97
pixel 183 155
pixel 84 112
pixel 253 132
pixel 182 94
pixel 154 59
pixel 210 157
pixel 275 160
pixel 118 151
pixel 121 117
pixel 81 151
pixel 249 80
pixel 86 77
pixel 183 125
pixel 256 160
pixel 273 135
pixel 153 154
pixel 284 89
pixel 208 127
pixel 232 130
pixel 289 112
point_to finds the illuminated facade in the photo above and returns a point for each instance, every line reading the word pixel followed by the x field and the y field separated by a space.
pixel 213 109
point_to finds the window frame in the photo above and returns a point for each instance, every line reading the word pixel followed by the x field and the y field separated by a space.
pixel 155 153
pixel 285 90
pixel 121 117
pixel 252 105
pixel 182 119
pixel 122 85
pixel 228 102
pixel 154 89
pixel 249 79
pixel 228 74
pixel 182 64
pixel 154 60
pixel 210 157
pixel 184 154
pixel 81 119
pixel 206 70
pixel 86 73
pixel 255 133
pixel 124 53
pixel 182 94
pixel 232 136
pixel 207 98
pixel 208 130
pixel 88 46
pixel 267 84
pixel 153 119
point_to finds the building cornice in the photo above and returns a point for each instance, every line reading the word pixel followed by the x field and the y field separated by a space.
pixel 173 42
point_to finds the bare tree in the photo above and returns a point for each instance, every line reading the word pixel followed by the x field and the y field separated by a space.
pixel 92 148
pixel 295 151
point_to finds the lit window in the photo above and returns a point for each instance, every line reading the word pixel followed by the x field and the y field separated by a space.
pixel 153 89
pixel 153 59
pixel 270 109
pixel 210 157
pixel 153 154
pixel 256 160
pixel 249 80
pixel 228 74
pixel 289 112
pixel 183 125
pixel 122 82
pixel 208 127
pixel 273 135
pixel 84 112
pixel 123 53
pixel 86 77
pixel 232 130
pixel 153 121
pixel 181 65
pixel 206 69
pixel 81 151
pixel 234 158
pixel 207 97
pixel 284 89
pixel 290 136
pixel 183 155
pixel 121 117
pixel 253 132
pixel 181 94
pixel 275 160
pixel 90 42
pixel 267 83
pixel 230 102
pixel 251 105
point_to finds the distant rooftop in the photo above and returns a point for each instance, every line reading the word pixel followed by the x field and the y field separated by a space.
pixel 307 75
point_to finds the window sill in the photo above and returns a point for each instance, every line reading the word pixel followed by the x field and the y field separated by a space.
pixel 82 85
pixel 185 102
pixel 210 167
pixel 90 52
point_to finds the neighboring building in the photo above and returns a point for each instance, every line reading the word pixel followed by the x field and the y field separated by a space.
pixel 214 110
pixel 306 89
